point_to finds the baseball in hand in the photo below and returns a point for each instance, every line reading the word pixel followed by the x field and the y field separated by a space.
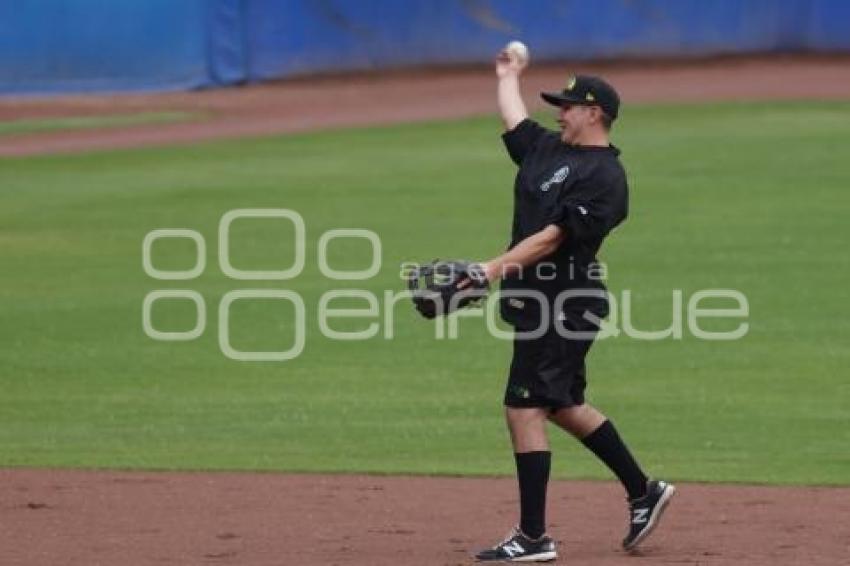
pixel 518 51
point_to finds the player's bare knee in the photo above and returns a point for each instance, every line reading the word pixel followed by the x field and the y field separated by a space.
pixel 578 420
pixel 527 427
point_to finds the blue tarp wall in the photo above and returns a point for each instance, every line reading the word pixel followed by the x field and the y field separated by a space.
pixel 114 45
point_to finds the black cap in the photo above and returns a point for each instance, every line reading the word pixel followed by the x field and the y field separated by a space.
pixel 587 90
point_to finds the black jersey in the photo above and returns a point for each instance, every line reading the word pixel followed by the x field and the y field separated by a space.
pixel 583 190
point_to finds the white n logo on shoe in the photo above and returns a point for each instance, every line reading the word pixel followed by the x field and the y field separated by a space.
pixel 513 548
pixel 640 516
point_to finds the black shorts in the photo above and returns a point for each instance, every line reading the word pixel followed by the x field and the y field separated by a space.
pixel 550 371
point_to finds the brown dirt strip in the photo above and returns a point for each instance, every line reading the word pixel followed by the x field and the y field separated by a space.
pixel 134 518
pixel 363 100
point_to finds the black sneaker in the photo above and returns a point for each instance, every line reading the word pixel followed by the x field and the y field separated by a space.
pixel 519 548
pixel 645 512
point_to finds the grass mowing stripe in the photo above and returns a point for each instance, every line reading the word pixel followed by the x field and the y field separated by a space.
pixel 35 125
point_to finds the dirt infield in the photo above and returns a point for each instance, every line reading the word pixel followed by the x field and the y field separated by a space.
pixel 362 100
pixel 87 518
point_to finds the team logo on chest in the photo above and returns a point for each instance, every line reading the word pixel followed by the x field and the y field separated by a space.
pixel 557 177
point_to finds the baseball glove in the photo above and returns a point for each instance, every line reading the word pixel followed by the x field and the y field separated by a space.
pixel 435 286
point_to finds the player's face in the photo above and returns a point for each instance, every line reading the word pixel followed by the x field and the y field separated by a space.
pixel 573 119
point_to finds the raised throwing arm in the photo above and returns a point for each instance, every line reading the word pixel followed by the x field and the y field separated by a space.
pixel 509 66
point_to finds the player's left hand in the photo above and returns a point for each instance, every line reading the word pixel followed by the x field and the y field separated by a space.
pixel 488 270
pixel 439 287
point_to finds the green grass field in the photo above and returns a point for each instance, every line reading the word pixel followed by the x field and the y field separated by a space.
pixel 34 125
pixel 746 196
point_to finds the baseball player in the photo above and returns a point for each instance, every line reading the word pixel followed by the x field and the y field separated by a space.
pixel 570 192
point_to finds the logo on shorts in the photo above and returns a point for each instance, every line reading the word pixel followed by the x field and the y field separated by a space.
pixel 557 177
pixel 520 391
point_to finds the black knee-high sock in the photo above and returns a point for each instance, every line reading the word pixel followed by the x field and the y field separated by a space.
pixel 532 470
pixel 606 443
